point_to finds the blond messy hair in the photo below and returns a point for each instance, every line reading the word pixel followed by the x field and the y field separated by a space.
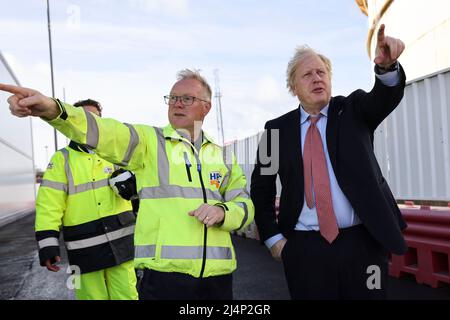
pixel 300 53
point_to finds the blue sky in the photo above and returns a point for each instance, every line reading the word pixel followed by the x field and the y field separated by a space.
pixel 126 54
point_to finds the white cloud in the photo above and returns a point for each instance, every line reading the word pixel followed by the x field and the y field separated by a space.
pixel 268 90
pixel 171 7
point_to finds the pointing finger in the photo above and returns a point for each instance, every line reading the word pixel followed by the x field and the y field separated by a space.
pixel 381 33
pixel 15 89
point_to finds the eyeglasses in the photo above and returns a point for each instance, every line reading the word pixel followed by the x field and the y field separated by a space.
pixel 185 100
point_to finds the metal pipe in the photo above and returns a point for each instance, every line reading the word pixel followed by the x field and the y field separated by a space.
pixel 51 64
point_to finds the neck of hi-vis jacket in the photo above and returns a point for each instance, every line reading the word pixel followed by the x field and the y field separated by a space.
pixel 97 224
pixel 173 178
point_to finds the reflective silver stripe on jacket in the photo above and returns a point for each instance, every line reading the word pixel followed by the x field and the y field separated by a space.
pixel 88 186
pixel 243 205
pixel 71 188
pixel 104 238
pixel 69 176
pixel 92 134
pixel 144 251
pixel 232 194
pixel 54 185
pixel 173 191
pixel 184 252
pixel 134 141
pixel 48 242
pixel 163 160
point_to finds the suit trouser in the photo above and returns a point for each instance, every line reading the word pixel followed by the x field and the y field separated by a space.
pixel 179 286
pixel 115 283
pixel 354 266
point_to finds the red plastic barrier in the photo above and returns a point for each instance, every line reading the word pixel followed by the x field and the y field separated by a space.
pixel 428 239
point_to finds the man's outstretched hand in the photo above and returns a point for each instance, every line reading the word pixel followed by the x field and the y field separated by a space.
pixel 28 102
pixel 388 49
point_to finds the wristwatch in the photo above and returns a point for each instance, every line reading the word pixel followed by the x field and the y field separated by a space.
pixel 381 70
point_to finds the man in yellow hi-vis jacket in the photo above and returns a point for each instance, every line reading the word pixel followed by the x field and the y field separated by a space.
pixel 97 224
pixel 192 192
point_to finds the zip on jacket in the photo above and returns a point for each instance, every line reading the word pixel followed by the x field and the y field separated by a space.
pixel 205 228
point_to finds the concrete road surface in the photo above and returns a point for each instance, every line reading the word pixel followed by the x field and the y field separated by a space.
pixel 258 276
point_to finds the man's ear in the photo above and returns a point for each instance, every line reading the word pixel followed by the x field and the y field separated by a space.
pixel 206 108
pixel 294 90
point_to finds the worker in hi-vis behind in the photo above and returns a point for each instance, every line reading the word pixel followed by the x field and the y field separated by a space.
pixel 75 198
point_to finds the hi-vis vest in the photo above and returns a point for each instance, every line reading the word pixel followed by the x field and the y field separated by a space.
pixel 173 178
pixel 97 225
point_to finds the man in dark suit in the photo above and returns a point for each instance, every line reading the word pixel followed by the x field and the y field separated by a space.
pixel 338 219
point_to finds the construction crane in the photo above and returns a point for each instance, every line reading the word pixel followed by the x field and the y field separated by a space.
pixel 218 98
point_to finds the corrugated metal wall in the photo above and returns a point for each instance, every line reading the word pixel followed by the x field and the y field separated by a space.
pixel 413 144
pixel 17 181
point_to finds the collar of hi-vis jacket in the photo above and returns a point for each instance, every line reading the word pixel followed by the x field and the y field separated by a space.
pixel 79 147
pixel 177 135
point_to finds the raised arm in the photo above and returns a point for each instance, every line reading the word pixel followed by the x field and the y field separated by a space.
pixel 112 140
pixel 384 97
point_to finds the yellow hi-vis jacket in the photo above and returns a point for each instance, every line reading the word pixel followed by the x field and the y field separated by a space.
pixel 173 178
pixel 75 196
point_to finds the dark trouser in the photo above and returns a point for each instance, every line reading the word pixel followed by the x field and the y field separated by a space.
pixel 179 286
pixel 354 266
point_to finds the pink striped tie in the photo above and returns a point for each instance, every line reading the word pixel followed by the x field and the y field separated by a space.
pixel 316 176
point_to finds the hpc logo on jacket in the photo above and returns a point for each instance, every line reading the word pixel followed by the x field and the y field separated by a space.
pixel 215 178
